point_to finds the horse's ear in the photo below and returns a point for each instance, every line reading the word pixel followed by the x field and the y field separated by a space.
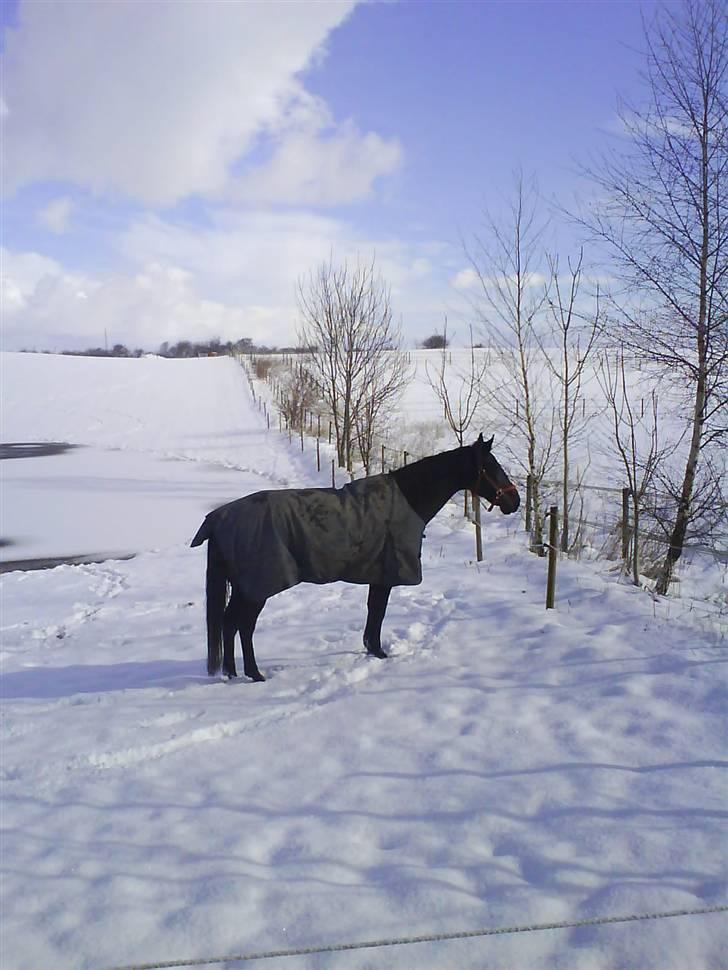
pixel 488 443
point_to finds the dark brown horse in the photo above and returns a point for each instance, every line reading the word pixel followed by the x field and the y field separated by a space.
pixel 369 532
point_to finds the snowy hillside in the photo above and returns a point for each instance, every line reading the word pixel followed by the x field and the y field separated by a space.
pixel 506 766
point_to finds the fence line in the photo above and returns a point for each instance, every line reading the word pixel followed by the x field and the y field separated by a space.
pixel 428 938
pixel 614 524
pixel 305 417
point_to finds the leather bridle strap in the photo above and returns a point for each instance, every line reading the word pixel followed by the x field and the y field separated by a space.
pixel 499 491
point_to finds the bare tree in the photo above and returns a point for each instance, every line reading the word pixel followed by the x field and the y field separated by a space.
pixel 461 410
pixel 708 513
pixel 662 212
pixel 354 350
pixel 298 395
pixel 575 332
pixel 636 440
pixel 383 376
pixel 510 305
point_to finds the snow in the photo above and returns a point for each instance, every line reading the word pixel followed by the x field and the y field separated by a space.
pixel 505 766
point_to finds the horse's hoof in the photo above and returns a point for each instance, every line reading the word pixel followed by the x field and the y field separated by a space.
pixel 380 654
pixel 229 676
pixel 256 676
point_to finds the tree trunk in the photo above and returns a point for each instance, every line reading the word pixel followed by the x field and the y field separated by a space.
pixel 677 537
pixel 636 544
pixel 565 483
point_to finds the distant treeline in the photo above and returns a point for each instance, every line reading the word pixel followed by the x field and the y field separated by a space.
pixel 208 348
pixel 183 348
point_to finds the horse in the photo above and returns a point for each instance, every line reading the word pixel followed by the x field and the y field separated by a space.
pixel 368 532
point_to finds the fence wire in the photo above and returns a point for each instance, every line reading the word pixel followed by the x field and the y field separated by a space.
pixel 427 938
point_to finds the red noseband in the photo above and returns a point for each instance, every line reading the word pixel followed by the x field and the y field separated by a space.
pixel 499 492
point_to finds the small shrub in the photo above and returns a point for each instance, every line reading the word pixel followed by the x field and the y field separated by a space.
pixel 436 341
pixel 263 367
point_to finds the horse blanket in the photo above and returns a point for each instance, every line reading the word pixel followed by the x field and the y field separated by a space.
pixel 365 532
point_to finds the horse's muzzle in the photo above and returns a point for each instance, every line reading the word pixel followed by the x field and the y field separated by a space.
pixel 507 499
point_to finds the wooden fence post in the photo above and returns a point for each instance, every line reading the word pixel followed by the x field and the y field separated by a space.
pixel 625 523
pixel 382 459
pixel 478 530
pixel 318 454
pixel 553 554
pixel 333 474
pixel 405 457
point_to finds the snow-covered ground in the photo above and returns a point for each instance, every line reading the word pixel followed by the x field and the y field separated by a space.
pixel 505 766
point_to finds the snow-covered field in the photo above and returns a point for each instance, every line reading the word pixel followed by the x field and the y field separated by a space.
pixel 505 766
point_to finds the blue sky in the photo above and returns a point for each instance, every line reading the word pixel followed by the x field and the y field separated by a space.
pixel 171 169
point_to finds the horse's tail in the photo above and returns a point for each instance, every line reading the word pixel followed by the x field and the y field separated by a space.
pixel 216 595
pixel 203 533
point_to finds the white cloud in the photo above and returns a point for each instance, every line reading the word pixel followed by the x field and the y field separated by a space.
pixel 632 124
pixel 159 106
pixel 465 279
pixel 249 255
pixel 468 279
pixel 168 107
pixel 234 279
pixel 20 274
pixel 56 214
pixel 265 253
pixel 313 166
pixel 46 307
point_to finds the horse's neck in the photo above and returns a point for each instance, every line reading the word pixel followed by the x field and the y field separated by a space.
pixel 429 483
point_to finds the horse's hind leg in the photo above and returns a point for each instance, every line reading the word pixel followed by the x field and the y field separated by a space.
pixel 377 607
pixel 229 629
pixel 248 613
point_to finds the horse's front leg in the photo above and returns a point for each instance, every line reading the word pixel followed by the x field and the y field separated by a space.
pixel 248 613
pixel 376 607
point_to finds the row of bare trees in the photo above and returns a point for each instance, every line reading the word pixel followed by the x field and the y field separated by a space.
pixel 541 332
pixel 660 219
pixel 658 222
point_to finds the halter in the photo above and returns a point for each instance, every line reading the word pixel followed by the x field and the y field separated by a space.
pixel 499 492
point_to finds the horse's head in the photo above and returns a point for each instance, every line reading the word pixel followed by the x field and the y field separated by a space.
pixel 491 482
